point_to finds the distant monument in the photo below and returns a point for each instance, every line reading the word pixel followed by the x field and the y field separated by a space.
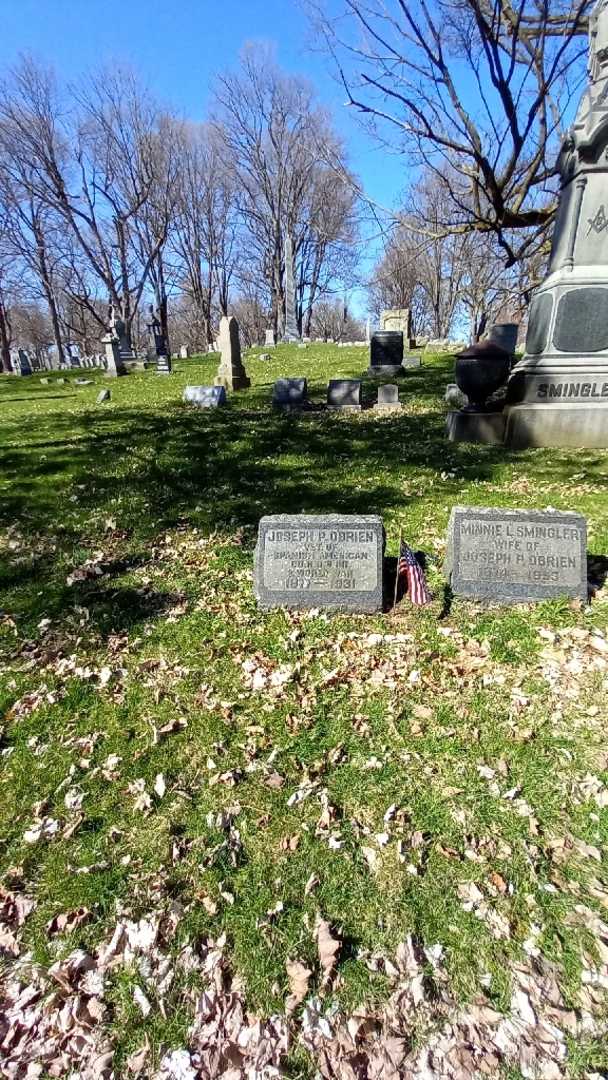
pixel 118 330
pixel 558 393
pixel 231 374
pixel 291 332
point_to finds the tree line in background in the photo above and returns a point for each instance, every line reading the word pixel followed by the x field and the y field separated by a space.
pixel 107 198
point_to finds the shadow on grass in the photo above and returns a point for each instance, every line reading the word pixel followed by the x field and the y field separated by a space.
pixel 163 466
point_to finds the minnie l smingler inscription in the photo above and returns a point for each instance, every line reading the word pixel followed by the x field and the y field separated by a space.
pixel 326 561
pixel 516 555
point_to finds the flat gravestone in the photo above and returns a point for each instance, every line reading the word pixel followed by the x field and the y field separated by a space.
pixel 330 561
pixel 205 397
pixel 290 393
pixel 513 556
pixel 103 395
pixel 344 395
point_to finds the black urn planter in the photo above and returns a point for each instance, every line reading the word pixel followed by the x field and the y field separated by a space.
pixel 480 371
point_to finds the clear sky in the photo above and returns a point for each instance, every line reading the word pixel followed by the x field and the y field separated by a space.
pixel 179 46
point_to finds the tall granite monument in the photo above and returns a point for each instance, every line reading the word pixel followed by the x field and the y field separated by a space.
pixel 290 332
pixel 558 393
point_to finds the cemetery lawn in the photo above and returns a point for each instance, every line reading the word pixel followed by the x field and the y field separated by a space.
pixel 305 788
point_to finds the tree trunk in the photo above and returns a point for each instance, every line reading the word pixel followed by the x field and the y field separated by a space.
pixel 5 341
pixel 49 294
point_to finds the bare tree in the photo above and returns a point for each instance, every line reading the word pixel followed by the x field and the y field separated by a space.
pixel 276 140
pixel 95 167
pixel 205 238
pixel 476 90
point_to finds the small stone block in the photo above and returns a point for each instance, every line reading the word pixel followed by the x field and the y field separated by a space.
pixel 264 356
pixel 45 382
pixel 327 561
pixel 411 362
pixel 475 427
pixel 205 397
pixel 103 395
pixel 344 394
pixel 83 382
pixel 516 556
pixel 388 394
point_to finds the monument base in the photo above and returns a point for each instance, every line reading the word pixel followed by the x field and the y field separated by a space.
pixel 571 424
pixel 476 427
pixel 113 374
pixel 344 408
pixel 388 407
pixel 233 382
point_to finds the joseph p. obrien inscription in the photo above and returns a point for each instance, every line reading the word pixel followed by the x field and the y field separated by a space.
pixel 330 561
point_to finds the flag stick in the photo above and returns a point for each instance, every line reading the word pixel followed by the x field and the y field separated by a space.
pixel 397 569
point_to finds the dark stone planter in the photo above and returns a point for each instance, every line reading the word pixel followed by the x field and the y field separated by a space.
pixel 480 371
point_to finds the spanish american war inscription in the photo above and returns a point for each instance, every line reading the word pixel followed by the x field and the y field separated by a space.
pixel 516 555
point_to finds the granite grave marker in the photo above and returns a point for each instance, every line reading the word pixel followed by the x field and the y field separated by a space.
pixel 344 395
pixel 515 556
pixel 327 561
pixel 205 397
pixel 290 394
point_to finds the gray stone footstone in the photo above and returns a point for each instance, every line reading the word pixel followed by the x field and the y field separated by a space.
pixel 330 561
pixel 516 556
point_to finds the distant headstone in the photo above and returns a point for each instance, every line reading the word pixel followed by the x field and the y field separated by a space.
pixel 25 367
pixel 344 395
pixel 231 374
pixel 505 335
pixel 163 365
pixel 332 561
pixel 271 338
pixel 516 555
pixel 103 395
pixel 183 352
pixel 388 399
pixel 83 382
pixel 290 394
pixel 396 319
pixel 386 353
pixel 59 382
pixel 114 362
pixel 45 382
pixel 264 356
pixel 205 397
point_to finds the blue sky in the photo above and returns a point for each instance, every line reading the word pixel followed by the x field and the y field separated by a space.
pixel 179 46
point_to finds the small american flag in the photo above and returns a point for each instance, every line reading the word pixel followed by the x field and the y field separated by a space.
pixel 409 567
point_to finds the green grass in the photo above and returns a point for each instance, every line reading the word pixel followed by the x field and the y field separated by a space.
pixel 166 501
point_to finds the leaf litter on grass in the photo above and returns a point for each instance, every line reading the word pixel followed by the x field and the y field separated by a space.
pixel 227 817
